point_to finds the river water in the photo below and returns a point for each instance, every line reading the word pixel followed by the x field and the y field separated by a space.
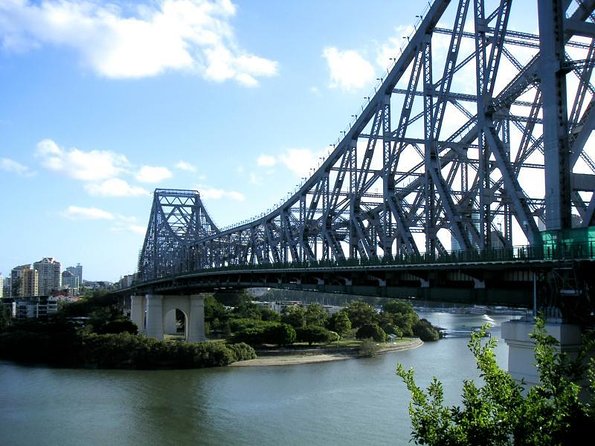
pixel 349 402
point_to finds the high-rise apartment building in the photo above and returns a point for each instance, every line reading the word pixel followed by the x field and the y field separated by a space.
pixel 50 276
pixel 77 271
pixel 6 287
pixel 70 281
pixel 1 286
pixel 24 281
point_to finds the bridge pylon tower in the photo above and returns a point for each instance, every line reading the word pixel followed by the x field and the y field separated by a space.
pixel 178 218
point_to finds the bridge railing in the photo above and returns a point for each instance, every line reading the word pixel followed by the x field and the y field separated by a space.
pixel 525 253
pixel 563 251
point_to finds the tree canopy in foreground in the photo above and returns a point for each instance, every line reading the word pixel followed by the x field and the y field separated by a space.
pixel 557 411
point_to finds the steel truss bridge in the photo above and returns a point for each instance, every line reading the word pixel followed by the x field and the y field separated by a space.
pixel 477 141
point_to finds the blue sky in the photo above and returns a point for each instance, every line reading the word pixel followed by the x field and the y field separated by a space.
pixel 104 101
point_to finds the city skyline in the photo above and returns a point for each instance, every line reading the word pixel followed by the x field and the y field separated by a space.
pixel 105 101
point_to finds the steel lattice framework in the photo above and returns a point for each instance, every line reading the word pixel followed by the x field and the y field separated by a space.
pixel 478 137
pixel 178 219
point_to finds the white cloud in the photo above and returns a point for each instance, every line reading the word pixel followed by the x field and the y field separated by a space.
pixel 115 187
pixel 348 69
pixel 217 194
pixel 128 224
pixel 9 165
pixel 119 223
pixel 87 166
pixel 153 174
pixel 79 213
pixel 137 41
pixel 184 165
pixel 266 161
pixel 299 161
pixel 393 47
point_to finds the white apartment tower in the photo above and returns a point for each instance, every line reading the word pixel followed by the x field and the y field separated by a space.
pixel 50 276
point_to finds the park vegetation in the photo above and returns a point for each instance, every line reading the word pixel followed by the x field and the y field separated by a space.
pixel 94 332
pixel 310 324
pixel 557 411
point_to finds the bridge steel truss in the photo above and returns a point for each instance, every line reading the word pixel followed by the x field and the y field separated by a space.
pixel 478 136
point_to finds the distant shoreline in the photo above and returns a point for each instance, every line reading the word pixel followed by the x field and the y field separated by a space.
pixel 281 358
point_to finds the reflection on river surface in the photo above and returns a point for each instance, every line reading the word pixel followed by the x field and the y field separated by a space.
pixel 351 402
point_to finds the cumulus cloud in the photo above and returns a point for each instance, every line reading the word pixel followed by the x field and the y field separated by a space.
pixel 127 224
pixel 75 163
pixel 299 161
pixel 218 194
pixel 119 223
pixel 349 70
pixel 153 174
pixel 135 229
pixel 137 40
pixel 80 213
pixel 186 166
pixel 100 170
pixel 115 187
pixel 12 166
pixel 266 161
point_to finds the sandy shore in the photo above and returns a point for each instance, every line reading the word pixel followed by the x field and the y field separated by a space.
pixel 313 356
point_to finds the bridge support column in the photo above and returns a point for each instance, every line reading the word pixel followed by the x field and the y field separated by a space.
pixel 196 319
pixel 154 316
pixel 170 326
pixel 137 312
pixel 521 354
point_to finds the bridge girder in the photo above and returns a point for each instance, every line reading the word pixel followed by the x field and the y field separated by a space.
pixel 478 136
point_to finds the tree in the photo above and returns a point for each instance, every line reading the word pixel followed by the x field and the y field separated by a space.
pixel 215 312
pixel 232 298
pixel 340 323
pixel 247 309
pixel 5 318
pixel 425 331
pixel 395 306
pixel 400 317
pixel 312 334
pixel 503 412
pixel 267 314
pixel 294 315
pixel 361 313
pixel 280 334
pixel 371 331
pixel 315 315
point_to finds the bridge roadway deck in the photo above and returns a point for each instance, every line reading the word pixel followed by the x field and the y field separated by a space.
pixel 498 282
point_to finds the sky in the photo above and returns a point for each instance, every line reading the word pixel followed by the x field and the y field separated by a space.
pixel 103 101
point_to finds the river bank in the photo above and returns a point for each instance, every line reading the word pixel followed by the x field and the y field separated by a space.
pixel 308 356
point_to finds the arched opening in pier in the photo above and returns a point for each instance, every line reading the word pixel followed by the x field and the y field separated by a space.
pixel 176 324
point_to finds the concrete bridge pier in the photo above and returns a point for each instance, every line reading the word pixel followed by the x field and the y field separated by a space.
pixel 196 319
pixel 521 348
pixel 154 327
pixel 137 312
pixel 155 315
pixel 170 323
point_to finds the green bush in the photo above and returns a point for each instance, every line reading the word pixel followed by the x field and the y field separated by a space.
pixel 242 351
pixel 368 348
